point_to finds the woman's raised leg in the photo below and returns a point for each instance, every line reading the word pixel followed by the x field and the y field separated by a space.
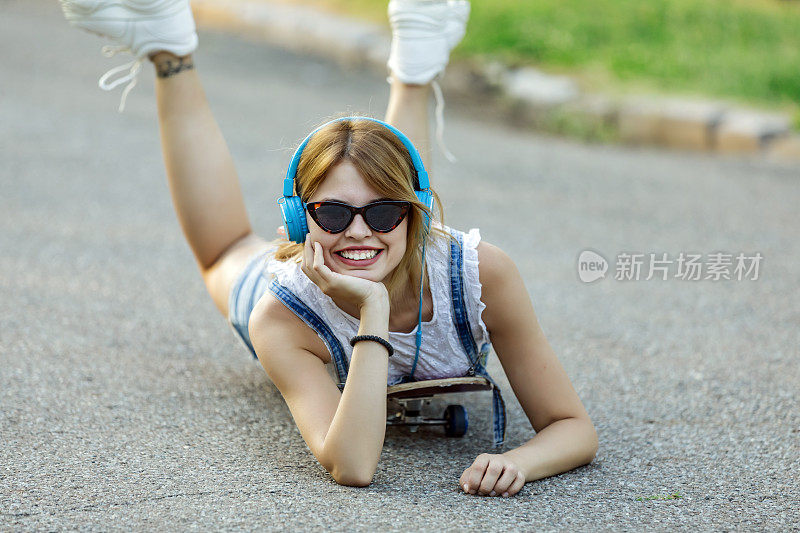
pixel 423 35
pixel 203 182
pixel 408 112
pixel 202 178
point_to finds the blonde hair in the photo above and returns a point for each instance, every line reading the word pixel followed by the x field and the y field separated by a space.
pixel 383 161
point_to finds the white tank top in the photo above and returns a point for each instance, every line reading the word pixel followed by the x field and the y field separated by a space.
pixel 441 353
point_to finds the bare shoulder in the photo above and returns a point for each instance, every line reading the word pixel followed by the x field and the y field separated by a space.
pixel 502 288
pixel 493 263
pixel 277 328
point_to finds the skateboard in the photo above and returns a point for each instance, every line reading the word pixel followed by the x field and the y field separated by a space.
pixel 406 400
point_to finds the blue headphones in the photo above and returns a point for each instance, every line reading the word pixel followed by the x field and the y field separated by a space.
pixel 292 209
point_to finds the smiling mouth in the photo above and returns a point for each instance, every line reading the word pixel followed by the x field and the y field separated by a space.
pixel 359 255
pixel 358 258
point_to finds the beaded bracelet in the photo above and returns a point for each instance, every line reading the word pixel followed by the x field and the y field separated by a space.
pixel 374 338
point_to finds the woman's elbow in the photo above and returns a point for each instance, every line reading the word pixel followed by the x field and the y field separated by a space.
pixel 346 469
pixel 352 479
pixel 592 443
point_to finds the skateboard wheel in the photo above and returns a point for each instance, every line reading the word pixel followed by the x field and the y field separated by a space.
pixel 456 421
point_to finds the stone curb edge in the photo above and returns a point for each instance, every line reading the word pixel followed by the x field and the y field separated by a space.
pixel 529 97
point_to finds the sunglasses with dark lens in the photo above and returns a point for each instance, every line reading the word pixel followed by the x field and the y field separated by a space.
pixel 382 216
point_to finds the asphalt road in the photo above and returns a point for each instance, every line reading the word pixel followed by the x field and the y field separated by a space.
pixel 127 403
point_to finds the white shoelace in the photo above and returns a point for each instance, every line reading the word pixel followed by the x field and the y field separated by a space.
pixel 133 71
pixel 437 91
pixel 440 121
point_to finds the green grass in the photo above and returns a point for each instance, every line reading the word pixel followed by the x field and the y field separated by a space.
pixel 741 50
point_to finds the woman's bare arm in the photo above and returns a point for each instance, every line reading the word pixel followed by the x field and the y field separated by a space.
pixel 354 440
pixel 344 430
pixel 565 437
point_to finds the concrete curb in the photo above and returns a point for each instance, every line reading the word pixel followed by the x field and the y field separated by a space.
pixel 528 96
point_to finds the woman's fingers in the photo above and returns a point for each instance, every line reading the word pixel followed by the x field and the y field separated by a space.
pixel 307 258
pixel 314 266
pixel 475 473
pixel 517 485
pixel 490 477
pixel 318 259
pixel 319 264
pixel 506 481
pixel 308 262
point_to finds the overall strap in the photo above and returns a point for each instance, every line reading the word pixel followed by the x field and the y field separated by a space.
pixel 307 315
pixel 461 322
pixel 460 319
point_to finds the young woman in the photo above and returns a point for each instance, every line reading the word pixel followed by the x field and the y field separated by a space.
pixel 359 186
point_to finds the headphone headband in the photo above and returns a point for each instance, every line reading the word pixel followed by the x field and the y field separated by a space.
pixel 421 182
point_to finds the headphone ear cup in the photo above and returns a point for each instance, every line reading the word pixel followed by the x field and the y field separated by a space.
pixel 294 218
pixel 426 198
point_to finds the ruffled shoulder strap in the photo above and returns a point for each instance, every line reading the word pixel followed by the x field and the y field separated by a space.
pixel 472 285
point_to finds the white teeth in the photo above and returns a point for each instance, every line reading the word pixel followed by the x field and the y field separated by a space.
pixel 358 256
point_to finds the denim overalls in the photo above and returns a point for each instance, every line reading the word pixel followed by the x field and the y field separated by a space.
pixel 255 281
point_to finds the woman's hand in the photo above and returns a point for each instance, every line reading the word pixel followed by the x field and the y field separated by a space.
pixel 357 291
pixel 492 475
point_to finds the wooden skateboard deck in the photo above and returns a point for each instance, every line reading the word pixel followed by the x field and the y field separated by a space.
pixel 432 387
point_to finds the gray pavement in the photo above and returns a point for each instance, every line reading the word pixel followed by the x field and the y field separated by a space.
pixel 127 403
